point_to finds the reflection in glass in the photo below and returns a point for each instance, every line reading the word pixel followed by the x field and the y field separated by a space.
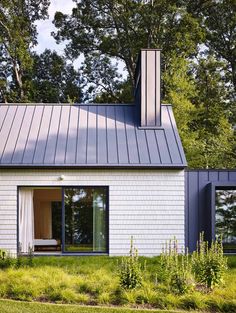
pixel 225 225
pixel 56 220
pixel 85 219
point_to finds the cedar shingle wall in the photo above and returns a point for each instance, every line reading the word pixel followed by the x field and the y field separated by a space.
pixel 146 204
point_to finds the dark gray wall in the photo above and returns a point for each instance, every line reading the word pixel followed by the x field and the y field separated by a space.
pixel 199 185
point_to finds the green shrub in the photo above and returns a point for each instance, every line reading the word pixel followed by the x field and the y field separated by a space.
pixel 213 305
pixel 192 301
pixel 30 257
pixel 221 305
pixel 146 295
pixel 19 258
pixel 94 280
pixel 130 272
pixel 229 306
pixel 176 268
pixel 68 295
pixel 130 296
pixel 209 263
pixel 97 282
pixel 118 296
pixel 104 298
pixel 5 259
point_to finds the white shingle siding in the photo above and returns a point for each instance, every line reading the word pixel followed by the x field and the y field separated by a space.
pixel 145 204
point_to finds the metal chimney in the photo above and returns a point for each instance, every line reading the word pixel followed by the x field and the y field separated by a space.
pixel 148 87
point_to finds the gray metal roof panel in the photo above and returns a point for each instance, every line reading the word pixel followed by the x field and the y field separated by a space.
pixel 55 135
pixel 62 136
pixel 31 139
pixel 121 136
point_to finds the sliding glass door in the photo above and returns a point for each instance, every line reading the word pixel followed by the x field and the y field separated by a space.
pixel 85 219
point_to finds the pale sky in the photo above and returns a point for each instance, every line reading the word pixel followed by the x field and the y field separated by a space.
pixel 45 27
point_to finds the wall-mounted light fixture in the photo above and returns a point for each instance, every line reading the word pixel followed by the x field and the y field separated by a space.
pixel 62 177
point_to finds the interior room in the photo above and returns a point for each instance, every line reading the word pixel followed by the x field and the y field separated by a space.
pixel 47 219
pixel 40 220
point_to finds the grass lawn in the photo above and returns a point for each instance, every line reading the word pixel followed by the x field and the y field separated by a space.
pixel 7 306
pixel 94 281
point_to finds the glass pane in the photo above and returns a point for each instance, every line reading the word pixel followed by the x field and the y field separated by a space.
pixel 226 218
pixel 56 220
pixel 85 219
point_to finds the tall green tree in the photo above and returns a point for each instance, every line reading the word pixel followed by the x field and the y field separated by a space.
pixel 218 20
pixel 180 92
pixel 104 81
pixel 52 79
pixel 18 34
pixel 119 29
pixel 214 132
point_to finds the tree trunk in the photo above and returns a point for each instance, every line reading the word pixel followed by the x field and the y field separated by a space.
pixel 3 96
pixel 18 79
pixel 233 66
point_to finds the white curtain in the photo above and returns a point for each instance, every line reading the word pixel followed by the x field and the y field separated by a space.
pixel 99 240
pixel 26 219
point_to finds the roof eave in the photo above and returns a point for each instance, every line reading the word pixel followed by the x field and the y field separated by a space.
pixel 93 166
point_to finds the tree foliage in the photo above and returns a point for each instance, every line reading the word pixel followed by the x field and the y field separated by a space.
pixel 24 75
pixel 104 81
pixel 53 80
pixel 218 19
pixel 18 34
pixel 215 137
pixel 119 29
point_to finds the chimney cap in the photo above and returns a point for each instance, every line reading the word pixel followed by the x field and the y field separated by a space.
pixel 150 49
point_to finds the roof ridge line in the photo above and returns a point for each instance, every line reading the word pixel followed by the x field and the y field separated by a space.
pixel 74 104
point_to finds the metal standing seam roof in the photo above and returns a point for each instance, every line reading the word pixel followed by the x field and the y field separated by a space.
pixel 58 135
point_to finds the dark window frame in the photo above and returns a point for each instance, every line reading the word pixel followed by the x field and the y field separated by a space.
pixel 62 187
pixel 213 188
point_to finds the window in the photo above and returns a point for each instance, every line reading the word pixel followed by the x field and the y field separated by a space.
pixel 85 219
pixel 225 218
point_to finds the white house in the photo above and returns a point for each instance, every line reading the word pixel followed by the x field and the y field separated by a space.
pixel 83 179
